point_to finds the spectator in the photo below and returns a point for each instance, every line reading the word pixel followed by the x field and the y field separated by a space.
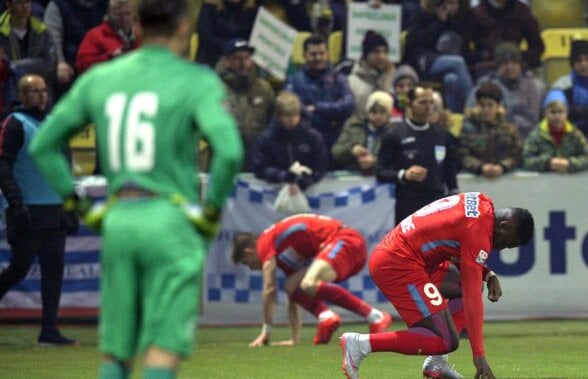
pixel 496 21
pixel 523 92
pixel 357 147
pixel 289 151
pixel 115 36
pixel 490 146
pixel 220 21
pixel 404 80
pixel 68 21
pixel 26 46
pixel 440 116
pixel 435 47
pixel 575 85
pixel 36 224
pixel 372 72
pixel 418 157
pixel 250 97
pixel 326 98
pixel 556 145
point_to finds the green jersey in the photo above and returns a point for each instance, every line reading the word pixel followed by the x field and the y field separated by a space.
pixel 149 108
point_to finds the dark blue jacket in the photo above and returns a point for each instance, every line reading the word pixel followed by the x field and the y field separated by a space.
pixel 278 148
pixel 329 92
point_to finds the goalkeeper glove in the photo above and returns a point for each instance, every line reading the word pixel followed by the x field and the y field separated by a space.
pixel 205 219
pixel 90 212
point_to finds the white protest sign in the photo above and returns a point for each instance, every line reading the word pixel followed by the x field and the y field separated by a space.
pixel 273 41
pixel 384 20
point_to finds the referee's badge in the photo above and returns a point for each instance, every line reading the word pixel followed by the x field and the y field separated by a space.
pixel 440 152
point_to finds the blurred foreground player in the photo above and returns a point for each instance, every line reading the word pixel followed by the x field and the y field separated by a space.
pixel 461 228
pixel 149 107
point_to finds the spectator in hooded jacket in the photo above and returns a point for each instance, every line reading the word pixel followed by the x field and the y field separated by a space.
pixel 372 72
pixel 490 146
pixel 496 21
pixel 556 145
pixel 289 151
pixel 523 91
pixel 575 85
pixel 357 147
pixel 116 35
pixel 326 98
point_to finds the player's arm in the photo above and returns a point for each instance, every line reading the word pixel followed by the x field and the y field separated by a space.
pixel 269 302
pixel 295 322
pixel 220 130
pixel 47 147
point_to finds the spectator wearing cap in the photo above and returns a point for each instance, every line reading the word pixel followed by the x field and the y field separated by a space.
pixel 489 145
pixel 219 21
pixel 435 47
pixel 556 145
pixel 326 98
pixel 575 85
pixel 405 79
pixel 357 147
pixel 250 98
pixel 372 72
pixel 523 91
pixel 494 21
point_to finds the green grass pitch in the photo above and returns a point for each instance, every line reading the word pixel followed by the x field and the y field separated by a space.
pixel 522 349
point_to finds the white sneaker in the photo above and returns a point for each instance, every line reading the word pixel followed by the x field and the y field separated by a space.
pixel 437 367
pixel 352 355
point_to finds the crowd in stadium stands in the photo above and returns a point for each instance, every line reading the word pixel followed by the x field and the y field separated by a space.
pixel 480 58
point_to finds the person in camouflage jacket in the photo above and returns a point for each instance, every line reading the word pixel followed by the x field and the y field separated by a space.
pixel 556 145
pixel 489 145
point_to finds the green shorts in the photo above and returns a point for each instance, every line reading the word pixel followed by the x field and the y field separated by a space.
pixel 152 262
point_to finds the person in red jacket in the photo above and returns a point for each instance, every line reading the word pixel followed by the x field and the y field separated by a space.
pixel 116 35
pixel 462 229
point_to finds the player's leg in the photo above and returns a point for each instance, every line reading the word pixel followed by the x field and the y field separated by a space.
pixel 23 245
pixel 419 303
pixel 338 261
pixel 172 265
pixel 297 295
pixel 119 323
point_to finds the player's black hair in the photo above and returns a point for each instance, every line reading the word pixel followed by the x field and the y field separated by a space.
pixel 241 241
pixel 313 40
pixel 161 17
pixel 525 224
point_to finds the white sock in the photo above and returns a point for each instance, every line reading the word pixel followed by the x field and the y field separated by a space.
pixel 375 316
pixel 325 315
pixel 363 340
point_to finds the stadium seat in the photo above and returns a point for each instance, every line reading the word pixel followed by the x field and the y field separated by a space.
pixel 559 14
pixel 298 48
pixel 557 50
pixel 456 124
pixel 335 46
pixel 83 151
pixel 193 47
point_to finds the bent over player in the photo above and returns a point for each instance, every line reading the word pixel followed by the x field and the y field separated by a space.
pixel 314 252
pixel 149 107
pixel 461 228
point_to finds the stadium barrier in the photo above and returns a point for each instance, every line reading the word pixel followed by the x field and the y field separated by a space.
pixel 537 280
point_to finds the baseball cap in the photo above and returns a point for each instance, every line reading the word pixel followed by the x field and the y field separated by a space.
pixel 237 44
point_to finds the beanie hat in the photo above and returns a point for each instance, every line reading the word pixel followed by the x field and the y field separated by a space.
pixel 579 47
pixel 553 96
pixel 380 98
pixel 371 41
pixel 507 52
pixel 405 71
pixel 489 90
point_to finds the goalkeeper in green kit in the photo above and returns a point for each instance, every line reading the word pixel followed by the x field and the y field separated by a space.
pixel 149 107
